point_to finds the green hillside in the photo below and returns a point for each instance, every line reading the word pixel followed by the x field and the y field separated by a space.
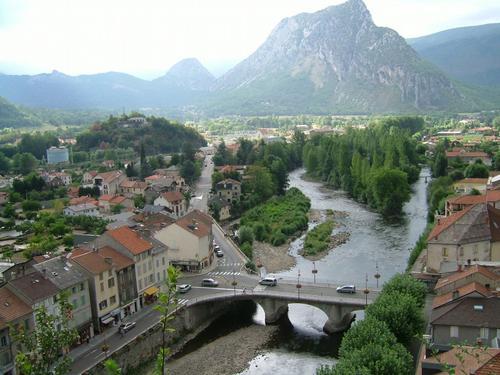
pixel 12 117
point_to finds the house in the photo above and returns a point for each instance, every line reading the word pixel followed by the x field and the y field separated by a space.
pixel 131 244
pixel 189 241
pixel 468 157
pixel 103 286
pixel 85 209
pixel 174 201
pixel 466 185
pixel 463 360
pixel 224 208
pixel 88 178
pixel 467 235
pixel 84 199
pixel 456 204
pixel 472 289
pixel 172 171
pixel 13 312
pixel 69 280
pixel 36 290
pixel 73 192
pixel 228 190
pixel 127 285
pixel 109 182
pixel 473 320
pixel 108 202
pixel 473 274
pixel 108 163
pixel 130 188
pixel 4 197
pixel 56 179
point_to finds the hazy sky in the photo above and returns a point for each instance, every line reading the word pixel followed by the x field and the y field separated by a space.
pixel 146 37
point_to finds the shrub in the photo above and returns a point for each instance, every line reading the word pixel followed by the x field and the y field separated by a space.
pixel 405 284
pixel 247 250
pixel 278 238
pixel 245 235
pixel 259 231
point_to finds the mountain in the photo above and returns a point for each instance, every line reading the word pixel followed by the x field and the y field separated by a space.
pixel 183 83
pixel 189 74
pixel 12 117
pixel 470 54
pixel 335 60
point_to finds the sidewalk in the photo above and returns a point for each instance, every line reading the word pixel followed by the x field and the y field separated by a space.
pixel 98 340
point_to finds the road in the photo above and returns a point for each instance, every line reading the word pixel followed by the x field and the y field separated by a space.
pixel 203 186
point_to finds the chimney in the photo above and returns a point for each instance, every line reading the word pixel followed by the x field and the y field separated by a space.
pixel 108 260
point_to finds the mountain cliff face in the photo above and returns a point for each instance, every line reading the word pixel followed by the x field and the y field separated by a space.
pixel 336 59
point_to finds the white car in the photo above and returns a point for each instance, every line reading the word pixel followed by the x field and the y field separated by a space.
pixel 270 281
pixel 184 288
pixel 346 289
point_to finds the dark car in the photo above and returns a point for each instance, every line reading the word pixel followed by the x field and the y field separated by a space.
pixel 209 282
pixel 125 327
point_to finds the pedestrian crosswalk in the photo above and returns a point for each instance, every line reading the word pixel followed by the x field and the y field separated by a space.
pixel 224 273
pixel 235 265
pixel 182 302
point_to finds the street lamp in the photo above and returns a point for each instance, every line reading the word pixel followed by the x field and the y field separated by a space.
pixel 366 291
pixel 314 272
pixel 377 274
pixel 298 285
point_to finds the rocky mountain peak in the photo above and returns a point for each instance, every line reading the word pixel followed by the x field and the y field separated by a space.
pixel 189 73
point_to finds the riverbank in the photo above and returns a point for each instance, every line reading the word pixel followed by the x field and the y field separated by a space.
pixel 226 355
pixel 335 241
pixel 273 258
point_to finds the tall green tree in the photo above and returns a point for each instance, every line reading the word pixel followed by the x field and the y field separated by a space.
pixel 440 164
pixel 42 350
pixel 24 163
pixel 390 190
pixel 477 170
pixel 167 305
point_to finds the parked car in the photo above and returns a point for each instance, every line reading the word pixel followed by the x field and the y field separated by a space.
pixel 209 282
pixel 217 247
pixel 219 253
pixel 346 289
pixel 125 327
pixel 270 281
pixel 184 288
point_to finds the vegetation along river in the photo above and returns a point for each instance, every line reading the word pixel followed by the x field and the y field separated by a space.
pixel 303 347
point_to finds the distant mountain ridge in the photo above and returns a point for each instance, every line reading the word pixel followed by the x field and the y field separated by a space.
pixel 335 60
pixel 470 54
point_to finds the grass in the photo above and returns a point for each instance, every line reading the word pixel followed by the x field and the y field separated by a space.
pixel 318 239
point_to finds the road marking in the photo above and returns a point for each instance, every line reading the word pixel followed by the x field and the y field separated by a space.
pixel 182 301
pixel 259 288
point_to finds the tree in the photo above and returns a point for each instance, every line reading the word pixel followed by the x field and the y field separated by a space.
pixel 188 171
pixel 496 122
pixel 116 209
pixel 112 367
pixel 42 350
pixel 139 201
pixel 4 164
pixel 404 283
pixel 477 170
pixel 216 178
pixel 280 174
pixel 402 314
pixel 260 184
pixel 215 208
pixel 390 190
pixel 145 168
pixel 167 305
pixel 245 154
pixel 440 164
pixel 31 206
pixel 130 171
pixel 245 235
pixel 24 163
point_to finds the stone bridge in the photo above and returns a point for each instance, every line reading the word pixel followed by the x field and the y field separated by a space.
pixel 339 310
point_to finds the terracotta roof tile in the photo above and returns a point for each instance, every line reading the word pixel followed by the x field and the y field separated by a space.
pixel 483 181
pixel 34 286
pixel 446 223
pixel 462 292
pixel 119 260
pixel 92 262
pixel 468 363
pixel 469 154
pixel 465 273
pixel 173 196
pixel 109 176
pixel 490 367
pixel 130 240
pixel 196 222
pixel 11 306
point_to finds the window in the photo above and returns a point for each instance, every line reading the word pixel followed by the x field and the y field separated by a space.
pixel 73 290
pixel 140 283
pixel 101 276
pixel 138 271
pixel 110 273
pixel 164 275
pixel 163 261
pixel 82 286
pixel 3 341
pixel 27 324
pixel 112 300
pixel 158 277
pixel 150 265
pixel 157 263
pixel 151 278
pixel 111 282
pixel 82 300
pixel 453 331
pixel 144 268
pixel 103 305
pixel 74 303
pixel 483 332
pixel 445 252
pixel 102 287
pixel 461 251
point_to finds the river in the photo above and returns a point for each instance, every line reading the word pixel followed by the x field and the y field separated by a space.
pixel 303 347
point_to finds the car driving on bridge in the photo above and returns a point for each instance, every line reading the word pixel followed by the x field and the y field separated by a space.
pixel 269 281
pixel 209 282
pixel 346 289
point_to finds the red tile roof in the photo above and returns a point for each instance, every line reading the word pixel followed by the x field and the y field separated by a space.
pixel 173 196
pixel 130 240
pixel 11 306
pixel 196 222
pixel 82 200
pixel 446 222
pixel 462 292
pixel 469 154
pixel 109 176
pixel 472 181
pixel 92 262
pixel 463 274
pixel 119 260
pixel 490 367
